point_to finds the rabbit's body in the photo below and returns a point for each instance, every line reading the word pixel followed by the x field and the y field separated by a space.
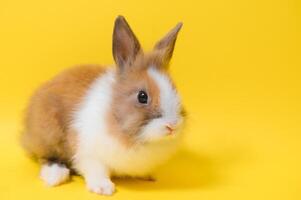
pixel 102 122
pixel 69 118
pixel 47 134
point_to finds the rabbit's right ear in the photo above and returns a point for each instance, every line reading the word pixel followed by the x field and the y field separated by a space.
pixel 125 44
pixel 167 44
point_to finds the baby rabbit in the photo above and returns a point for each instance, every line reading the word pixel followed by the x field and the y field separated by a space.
pixel 104 122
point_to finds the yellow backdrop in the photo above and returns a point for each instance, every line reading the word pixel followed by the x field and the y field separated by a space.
pixel 236 64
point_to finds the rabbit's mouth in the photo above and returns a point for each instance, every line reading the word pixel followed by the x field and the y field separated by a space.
pixel 159 129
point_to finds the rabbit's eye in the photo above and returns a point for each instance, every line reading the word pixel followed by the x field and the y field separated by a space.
pixel 142 97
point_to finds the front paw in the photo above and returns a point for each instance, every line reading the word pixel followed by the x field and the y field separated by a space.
pixel 101 186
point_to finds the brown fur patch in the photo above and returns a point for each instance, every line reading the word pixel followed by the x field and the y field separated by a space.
pixel 128 115
pixel 47 133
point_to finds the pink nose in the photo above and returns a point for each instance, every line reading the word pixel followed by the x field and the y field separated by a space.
pixel 170 128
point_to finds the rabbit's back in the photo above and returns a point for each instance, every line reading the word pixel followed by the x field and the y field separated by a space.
pixel 47 134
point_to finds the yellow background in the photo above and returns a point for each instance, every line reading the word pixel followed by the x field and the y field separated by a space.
pixel 236 64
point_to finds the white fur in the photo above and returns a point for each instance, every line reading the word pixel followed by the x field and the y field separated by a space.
pixel 54 174
pixel 102 186
pixel 170 108
pixel 169 99
pixel 99 155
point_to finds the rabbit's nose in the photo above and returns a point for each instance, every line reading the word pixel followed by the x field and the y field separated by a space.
pixel 170 128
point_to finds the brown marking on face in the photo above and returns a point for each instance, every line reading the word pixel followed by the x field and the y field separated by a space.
pixel 128 115
pixel 47 132
pixel 154 59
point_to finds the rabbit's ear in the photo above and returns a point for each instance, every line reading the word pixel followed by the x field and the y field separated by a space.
pixel 166 45
pixel 125 44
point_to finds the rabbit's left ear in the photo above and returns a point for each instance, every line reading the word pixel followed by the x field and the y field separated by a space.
pixel 166 45
pixel 125 44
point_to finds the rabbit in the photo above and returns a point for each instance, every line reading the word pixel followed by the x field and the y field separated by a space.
pixel 101 122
